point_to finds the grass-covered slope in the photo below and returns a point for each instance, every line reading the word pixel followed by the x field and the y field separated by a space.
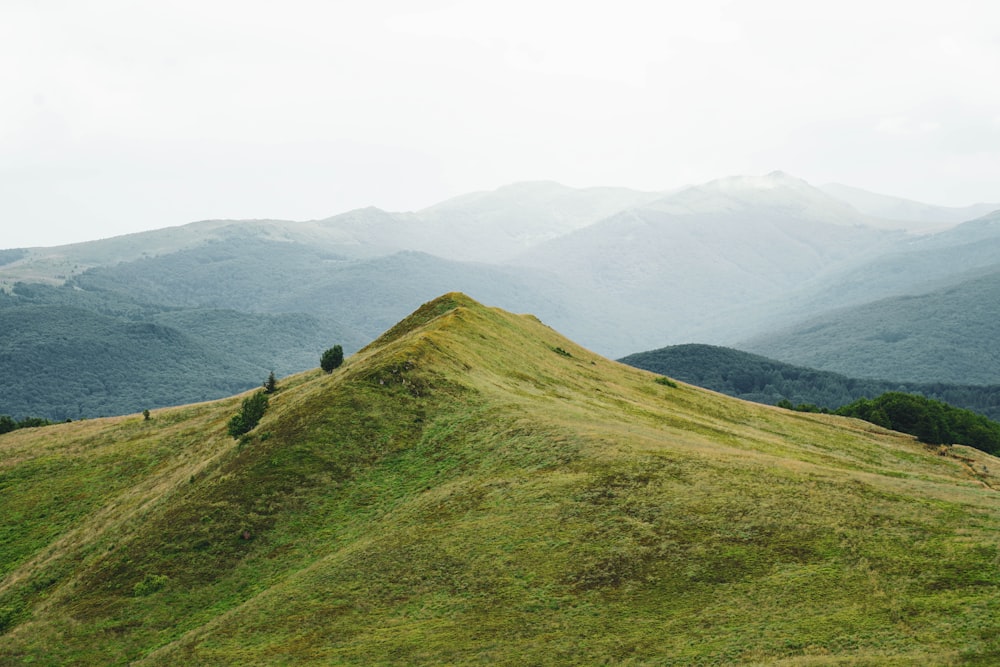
pixel 472 488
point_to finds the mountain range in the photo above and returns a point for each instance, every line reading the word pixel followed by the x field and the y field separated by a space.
pixel 473 488
pixel 768 263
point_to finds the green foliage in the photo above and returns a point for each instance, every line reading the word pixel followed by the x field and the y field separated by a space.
pixel 150 584
pixel 930 421
pixel 8 423
pixel 801 407
pixel 250 414
pixel 561 352
pixel 665 381
pixel 271 384
pixel 332 358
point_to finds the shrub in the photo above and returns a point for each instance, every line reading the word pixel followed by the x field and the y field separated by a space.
pixel 271 384
pixel 332 358
pixel 150 584
pixel 666 382
pixel 250 414
pixel 932 422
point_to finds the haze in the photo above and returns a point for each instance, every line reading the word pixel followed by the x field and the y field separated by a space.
pixel 118 117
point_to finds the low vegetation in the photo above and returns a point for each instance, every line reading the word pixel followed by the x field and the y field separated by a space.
pixel 458 494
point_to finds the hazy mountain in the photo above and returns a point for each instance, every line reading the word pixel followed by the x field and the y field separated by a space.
pixel 482 226
pixel 756 378
pixel 922 311
pixel 917 215
pixel 486 227
pixel 910 266
pixel 919 264
pixel 699 264
pixel 472 488
pixel 946 335
pixel 616 269
pixel 360 296
pixel 56 264
pixel 498 225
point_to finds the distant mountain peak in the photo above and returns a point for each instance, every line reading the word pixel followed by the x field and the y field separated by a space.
pixel 775 179
pixel 776 190
pixel 918 215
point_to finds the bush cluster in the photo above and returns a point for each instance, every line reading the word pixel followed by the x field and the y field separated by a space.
pixel 8 423
pixel 930 421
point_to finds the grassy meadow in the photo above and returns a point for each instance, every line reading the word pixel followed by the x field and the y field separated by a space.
pixel 473 488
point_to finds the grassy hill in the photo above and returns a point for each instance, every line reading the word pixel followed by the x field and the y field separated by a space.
pixel 763 380
pixel 474 488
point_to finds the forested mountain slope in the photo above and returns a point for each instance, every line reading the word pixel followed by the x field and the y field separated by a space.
pixel 947 335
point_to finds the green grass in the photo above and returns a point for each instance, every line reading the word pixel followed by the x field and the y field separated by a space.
pixel 458 493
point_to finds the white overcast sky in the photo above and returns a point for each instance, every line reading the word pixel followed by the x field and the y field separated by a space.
pixel 120 116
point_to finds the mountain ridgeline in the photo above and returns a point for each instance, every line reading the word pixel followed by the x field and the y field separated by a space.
pixel 769 263
pixel 473 488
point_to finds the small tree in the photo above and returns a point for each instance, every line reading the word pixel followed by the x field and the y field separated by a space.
pixel 271 384
pixel 249 415
pixel 332 358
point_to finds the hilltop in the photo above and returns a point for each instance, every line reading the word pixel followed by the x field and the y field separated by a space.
pixel 472 488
